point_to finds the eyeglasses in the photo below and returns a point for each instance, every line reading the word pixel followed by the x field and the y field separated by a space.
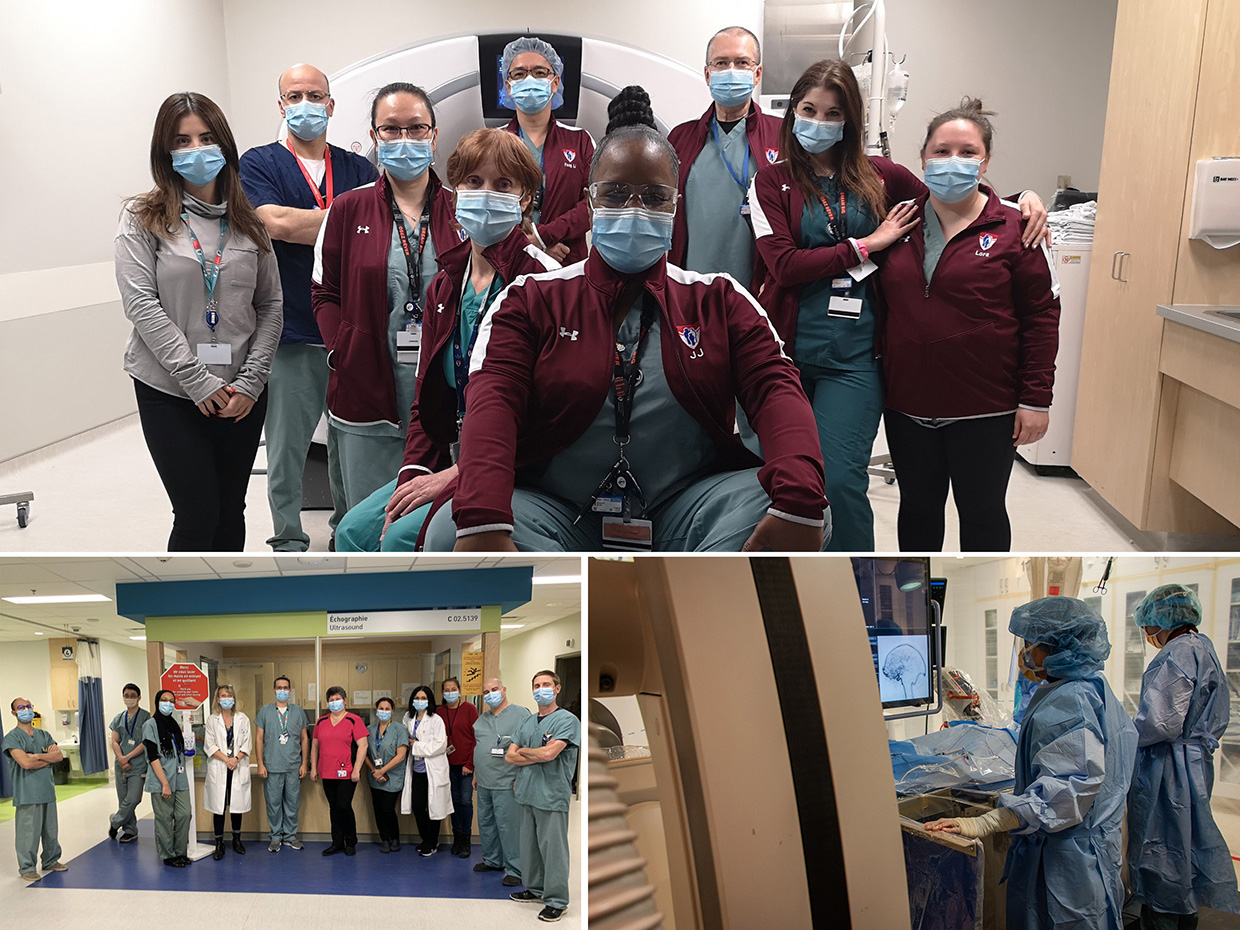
pixel 418 131
pixel 24 707
pixel 296 96
pixel 520 74
pixel 617 194
pixel 723 64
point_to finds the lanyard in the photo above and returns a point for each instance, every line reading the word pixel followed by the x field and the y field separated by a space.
pixel 413 265
pixel 314 188
pixel 282 718
pixel 379 737
pixel 743 181
pixel 129 726
pixel 209 275
pixel 836 228
pixel 461 355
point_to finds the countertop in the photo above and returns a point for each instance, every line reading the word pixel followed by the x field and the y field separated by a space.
pixel 1204 317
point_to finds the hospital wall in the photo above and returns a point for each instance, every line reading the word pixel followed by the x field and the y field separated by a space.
pixel 522 655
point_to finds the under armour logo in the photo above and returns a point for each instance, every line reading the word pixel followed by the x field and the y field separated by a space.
pixel 439 309
pixel 564 332
pixel 785 187
pixel 363 229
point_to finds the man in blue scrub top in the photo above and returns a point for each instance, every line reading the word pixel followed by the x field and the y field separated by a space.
pixel 292 183
pixel 31 754
pixel 544 749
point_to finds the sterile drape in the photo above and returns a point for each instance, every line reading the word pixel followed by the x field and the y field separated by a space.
pixel 91 727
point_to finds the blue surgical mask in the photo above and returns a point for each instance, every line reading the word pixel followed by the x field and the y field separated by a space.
pixel 306 120
pixel 227 703
pixel 544 696
pixel 452 696
pixel 732 87
pixel 419 704
pixel 199 165
pixel 954 178
pixel 335 705
pixel 166 708
pixel 406 159
pixel 25 715
pixel 383 715
pixel 494 698
pixel 282 696
pixel 631 239
pixel 487 216
pixel 531 94
pixel 817 135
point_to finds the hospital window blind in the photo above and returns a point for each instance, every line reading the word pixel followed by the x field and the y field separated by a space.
pixel 992 653
pixel 1134 652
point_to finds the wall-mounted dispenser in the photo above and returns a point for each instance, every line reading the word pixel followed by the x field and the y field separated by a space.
pixel 1216 202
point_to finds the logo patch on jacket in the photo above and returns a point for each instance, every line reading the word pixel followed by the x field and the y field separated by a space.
pixel 986 241
pixel 462 234
pixel 689 335
pixel 772 155
pixel 570 156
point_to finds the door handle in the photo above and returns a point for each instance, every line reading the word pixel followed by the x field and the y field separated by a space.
pixel 1114 259
pixel 1122 256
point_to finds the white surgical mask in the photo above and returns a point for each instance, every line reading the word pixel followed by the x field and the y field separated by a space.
pixel 452 696
pixel 335 706
pixel 130 702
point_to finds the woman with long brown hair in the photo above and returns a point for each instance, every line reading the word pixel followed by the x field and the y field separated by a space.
pixel 818 216
pixel 199 282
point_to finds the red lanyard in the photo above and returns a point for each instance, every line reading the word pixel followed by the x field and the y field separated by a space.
pixel 327 161
pixel 837 227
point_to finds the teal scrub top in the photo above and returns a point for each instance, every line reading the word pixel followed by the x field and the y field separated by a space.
pixel 548 786
pixel 537 152
pixel 177 781
pixel 495 732
pixel 383 751
pixel 277 756
pixel 720 239
pixel 822 340
pixel 398 291
pixel 668 450
pixel 472 306
pixel 932 235
pixel 30 786
pixel 131 736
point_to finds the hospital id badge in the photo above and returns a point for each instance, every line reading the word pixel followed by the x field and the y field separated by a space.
pixel 497 751
pixel 283 738
pixel 180 768
pixel 215 353
pixel 846 307
pixel 409 344
pixel 608 503
pixel 863 271
pixel 342 772
pixel 634 535
pixel 841 285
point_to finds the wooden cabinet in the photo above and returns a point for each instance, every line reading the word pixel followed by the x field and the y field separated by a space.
pixel 64 675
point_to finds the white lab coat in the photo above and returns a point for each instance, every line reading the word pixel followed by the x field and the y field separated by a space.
pixel 216 739
pixel 432 747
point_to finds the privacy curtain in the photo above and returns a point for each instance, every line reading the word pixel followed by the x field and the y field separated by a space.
pixel 91 728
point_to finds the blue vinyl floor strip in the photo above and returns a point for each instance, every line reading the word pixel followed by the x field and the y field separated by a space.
pixel 404 874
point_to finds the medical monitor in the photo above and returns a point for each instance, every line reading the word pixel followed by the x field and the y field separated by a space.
pixel 491 56
pixel 895 601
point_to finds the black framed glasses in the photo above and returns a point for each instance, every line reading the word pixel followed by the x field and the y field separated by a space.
pixel 617 194
pixel 520 74
pixel 418 131
pixel 297 96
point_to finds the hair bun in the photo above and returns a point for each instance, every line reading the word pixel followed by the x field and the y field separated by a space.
pixel 974 105
pixel 630 107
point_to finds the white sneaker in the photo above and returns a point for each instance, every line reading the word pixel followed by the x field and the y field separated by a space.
pixel 293 844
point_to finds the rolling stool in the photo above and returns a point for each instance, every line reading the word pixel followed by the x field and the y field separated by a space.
pixel 880 467
pixel 22 499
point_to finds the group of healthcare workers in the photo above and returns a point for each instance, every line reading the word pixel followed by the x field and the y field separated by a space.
pixel 624 396
pixel 1080 762
pixel 522 765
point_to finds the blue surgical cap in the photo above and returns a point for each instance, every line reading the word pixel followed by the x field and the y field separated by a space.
pixel 1069 629
pixel 1170 606
pixel 530 44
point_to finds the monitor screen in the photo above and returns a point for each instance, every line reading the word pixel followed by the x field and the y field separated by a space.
pixel 895 600
pixel 490 59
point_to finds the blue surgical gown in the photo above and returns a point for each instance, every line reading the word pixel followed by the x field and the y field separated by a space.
pixel 1178 859
pixel 1073 765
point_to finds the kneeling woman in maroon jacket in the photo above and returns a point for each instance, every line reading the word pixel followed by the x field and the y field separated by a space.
pixel 601 400
pixel 971 334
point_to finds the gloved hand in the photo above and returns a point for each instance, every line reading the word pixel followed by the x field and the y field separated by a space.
pixel 1001 818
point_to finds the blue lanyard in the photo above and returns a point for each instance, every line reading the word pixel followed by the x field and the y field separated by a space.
pixel 210 276
pixel 743 181
pixel 129 726
pixel 460 356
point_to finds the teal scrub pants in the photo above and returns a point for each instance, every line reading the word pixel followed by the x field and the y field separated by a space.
pixel 35 823
pixel 171 823
pixel 359 530
pixel 129 795
pixel 544 854
pixel 362 463
pixel 717 513
pixel 847 408
pixel 296 399
pixel 499 823
pixel 282 792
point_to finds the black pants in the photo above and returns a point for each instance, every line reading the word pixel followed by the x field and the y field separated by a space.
pixel 1157 920
pixel 219 818
pixel 428 830
pixel 204 464
pixel 339 793
pixel 974 458
pixel 384 803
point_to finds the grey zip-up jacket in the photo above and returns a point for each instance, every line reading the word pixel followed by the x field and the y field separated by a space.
pixel 164 296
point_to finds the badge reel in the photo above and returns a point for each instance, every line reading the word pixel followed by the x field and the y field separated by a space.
pixel 283 739
pixel 214 353
pixel 342 772
pixel 621 530
pixel 842 305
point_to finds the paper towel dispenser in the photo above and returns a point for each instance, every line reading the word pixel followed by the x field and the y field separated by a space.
pixel 1216 202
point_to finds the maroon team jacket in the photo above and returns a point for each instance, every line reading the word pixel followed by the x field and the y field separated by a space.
pixel 688 139
pixel 565 215
pixel 543 367
pixel 348 292
pixel 432 419
pixel 981 336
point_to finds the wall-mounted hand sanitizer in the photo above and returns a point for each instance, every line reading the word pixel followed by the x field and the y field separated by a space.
pixel 1216 202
